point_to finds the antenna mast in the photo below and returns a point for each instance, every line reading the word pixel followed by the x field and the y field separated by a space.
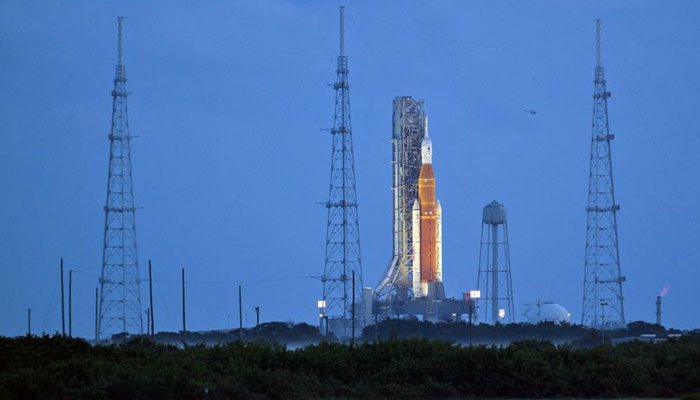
pixel 342 31
pixel 343 230
pixel 602 281
pixel 121 54
pixel 599 60
pixel 120 283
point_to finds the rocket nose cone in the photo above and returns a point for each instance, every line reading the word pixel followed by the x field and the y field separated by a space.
pixel 416 206
pixel 438 207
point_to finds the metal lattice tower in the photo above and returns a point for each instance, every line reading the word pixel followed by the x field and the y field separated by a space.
pixel 494 279
pixel 343 229
pixel 602 280
pixel 120 293
pixel 408 130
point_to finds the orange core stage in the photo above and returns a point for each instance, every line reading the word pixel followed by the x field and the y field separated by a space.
pixel 428 226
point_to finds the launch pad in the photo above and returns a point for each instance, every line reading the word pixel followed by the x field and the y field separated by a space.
pixel 434 310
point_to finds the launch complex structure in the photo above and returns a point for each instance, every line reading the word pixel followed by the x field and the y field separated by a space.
pixel 412 284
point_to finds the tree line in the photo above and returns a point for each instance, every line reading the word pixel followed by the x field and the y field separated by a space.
pixel 56 367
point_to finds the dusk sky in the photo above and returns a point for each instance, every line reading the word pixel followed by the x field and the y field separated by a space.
pixel 229 99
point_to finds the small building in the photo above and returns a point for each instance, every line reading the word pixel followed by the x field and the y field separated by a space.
pixel 647 337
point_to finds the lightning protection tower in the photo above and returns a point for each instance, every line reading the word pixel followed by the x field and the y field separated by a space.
pixel 343 229
pixel 602 280
pixel 120 294
pixel 494 279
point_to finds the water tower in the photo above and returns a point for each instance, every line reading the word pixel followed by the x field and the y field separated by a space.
pixel 494 282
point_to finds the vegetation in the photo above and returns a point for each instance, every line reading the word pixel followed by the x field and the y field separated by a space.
pixel 270 332
pixel 295 335
pixel 576 335
pixel 57 368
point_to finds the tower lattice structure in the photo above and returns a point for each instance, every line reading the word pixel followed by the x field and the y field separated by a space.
pixel 603 303
pixel 120 284
pixel 408 130
pixel 343 229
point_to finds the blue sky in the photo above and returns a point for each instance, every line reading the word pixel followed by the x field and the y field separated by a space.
pixel 228 100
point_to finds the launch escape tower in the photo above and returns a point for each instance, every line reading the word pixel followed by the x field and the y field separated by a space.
pixel 494 280
pixel 602 280
pixel 343 230
pixel 120 291
pixel 408 131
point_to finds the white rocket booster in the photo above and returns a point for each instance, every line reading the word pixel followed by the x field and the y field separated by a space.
pixel 438 240
pixel 417 290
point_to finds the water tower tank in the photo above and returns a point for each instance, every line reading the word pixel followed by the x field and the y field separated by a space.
pixel 495 213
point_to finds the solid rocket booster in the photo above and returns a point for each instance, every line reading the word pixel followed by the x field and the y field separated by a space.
pixel 427 225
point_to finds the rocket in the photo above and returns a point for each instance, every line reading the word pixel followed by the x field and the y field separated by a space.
pixel 427 225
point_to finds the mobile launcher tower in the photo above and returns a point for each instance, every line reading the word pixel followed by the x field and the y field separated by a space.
pixel 412 284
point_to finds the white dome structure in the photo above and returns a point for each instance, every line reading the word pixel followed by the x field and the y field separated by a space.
pixel 547 312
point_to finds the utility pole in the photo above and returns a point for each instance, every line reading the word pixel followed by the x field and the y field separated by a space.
pixel 29 321
pixel 97 300
pixel 257 319
pixel 70 302
pixel 602 305
pixel 376 326
pixel 240 314
pixel 471 311
pixel 63 307
pixel 352 342
pixel 150 294
pixel 184 325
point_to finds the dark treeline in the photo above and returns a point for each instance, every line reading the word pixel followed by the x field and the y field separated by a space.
pixel 303 334
pixel 576 335
pixel 59 368
pixel 274 332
